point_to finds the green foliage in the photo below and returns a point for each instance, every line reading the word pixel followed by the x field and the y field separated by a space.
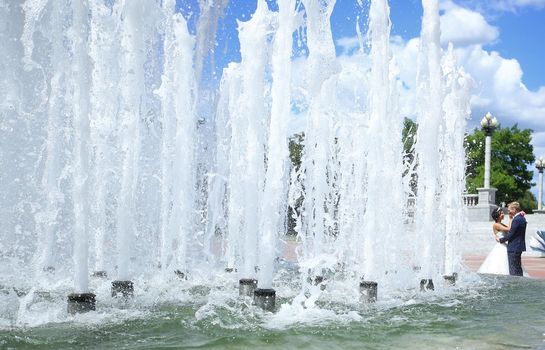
pixel 512 152
pixel 528 202
pixel 408 137
pixel 296 146
pixel 296 149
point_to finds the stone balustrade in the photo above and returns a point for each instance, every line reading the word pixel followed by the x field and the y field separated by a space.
pixel 470 200
pixel 476 212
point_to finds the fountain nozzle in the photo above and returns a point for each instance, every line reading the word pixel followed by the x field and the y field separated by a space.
pixel 426 284
pixel 125 288
pixel 81 302
pixel 247 286
pixel 368 291
pixel 265 299
pixel 451 279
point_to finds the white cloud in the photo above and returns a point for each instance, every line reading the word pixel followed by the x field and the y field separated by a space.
pixel 501 5
pixel 500 89
pixel 348 45
pixel 351 88
pixel 539 144
pixel 514 5
pixel 498 81
pixel 463 27
pixel 498 85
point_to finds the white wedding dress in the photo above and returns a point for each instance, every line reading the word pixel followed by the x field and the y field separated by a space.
pixel 496 262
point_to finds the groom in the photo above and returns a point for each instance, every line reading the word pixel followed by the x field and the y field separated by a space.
pixel 515 239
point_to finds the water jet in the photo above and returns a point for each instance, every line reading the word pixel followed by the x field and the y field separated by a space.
pixel 120 106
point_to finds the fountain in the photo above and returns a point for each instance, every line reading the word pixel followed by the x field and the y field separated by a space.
pixel 135 154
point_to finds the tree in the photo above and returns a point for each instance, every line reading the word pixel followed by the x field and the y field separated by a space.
pixel 512 152
pixel 408 137
pixel 296 146
pixel 296 149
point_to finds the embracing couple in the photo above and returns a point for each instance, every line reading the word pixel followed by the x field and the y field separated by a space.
pixel 505 257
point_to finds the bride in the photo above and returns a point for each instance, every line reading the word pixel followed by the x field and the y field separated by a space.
pixel 496 262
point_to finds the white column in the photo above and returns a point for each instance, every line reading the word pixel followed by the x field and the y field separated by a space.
pixel 540 191
pixel 487 148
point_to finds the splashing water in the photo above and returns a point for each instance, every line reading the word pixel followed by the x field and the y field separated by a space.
pixel 127 157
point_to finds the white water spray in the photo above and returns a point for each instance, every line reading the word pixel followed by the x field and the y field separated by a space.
pixel 321 78
pixel 350 179
pixel 104 125
pixel 179 128
pixel 430 111
pixel 457 110
pixel 132 87
pixel 274 208
pixel 81 80
pixel 56 107
pixel 250 108
pixel 384 183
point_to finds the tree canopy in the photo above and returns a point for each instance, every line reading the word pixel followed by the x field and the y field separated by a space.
pixel 408 137
pixel 296 148
pixel 511 154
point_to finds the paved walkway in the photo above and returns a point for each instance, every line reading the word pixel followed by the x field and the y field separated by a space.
pixel 476 245
pixel 535 267
pixel 479 241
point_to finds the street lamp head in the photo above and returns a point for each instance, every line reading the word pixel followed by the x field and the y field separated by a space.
pixel 489 123
pixel 540 164
pixel 486 120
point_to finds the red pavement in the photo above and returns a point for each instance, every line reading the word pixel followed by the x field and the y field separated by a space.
pixel 534 266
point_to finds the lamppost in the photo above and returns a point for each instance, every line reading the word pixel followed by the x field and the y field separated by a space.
pixel 487 195
pixel 540 165
pixel 488 124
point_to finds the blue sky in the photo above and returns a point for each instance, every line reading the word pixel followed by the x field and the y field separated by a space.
pixel 520 26
pixel 521 37
pixel 498 42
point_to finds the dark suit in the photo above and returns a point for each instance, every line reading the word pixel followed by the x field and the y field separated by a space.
pixel 516 244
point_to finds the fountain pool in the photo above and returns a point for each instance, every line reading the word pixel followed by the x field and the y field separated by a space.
pixel 136 155
pixel 481 314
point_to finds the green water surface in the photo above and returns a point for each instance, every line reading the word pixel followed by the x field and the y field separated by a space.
pixel 505 313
